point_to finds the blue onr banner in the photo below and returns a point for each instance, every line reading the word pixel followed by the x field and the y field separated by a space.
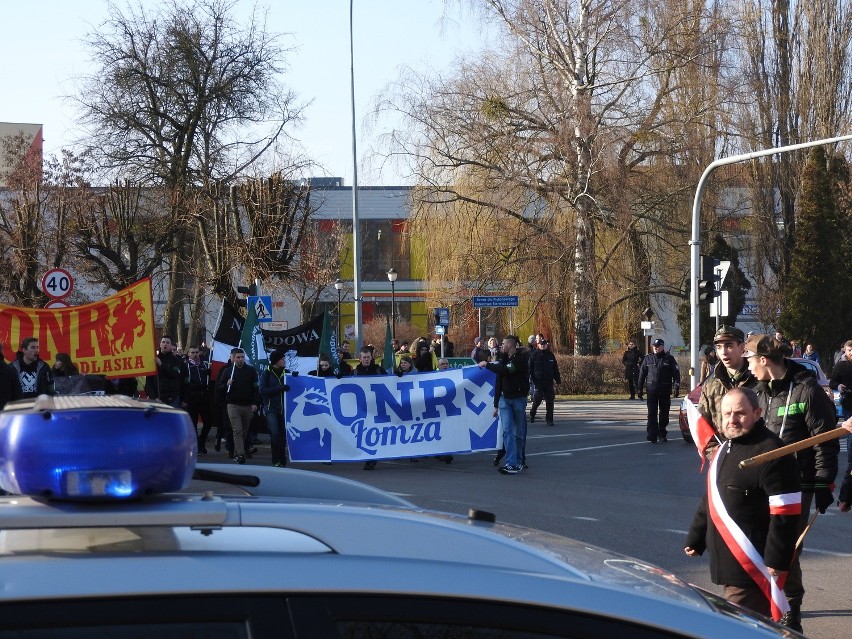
pixel 386 417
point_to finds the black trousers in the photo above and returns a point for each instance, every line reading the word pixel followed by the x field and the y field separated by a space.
pixel 544 391
pixel 658 414
pixel 632 382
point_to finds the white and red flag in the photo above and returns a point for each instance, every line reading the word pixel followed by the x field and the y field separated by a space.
pixel 701 430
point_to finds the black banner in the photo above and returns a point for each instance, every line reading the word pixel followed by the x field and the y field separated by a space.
pixel 230 325
pixel 304 339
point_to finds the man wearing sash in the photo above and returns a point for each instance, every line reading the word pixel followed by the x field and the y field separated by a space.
pixel 748 519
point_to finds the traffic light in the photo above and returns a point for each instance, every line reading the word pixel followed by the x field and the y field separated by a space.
pixel 248 291
pixel 707 279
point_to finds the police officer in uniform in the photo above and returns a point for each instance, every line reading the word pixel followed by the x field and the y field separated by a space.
pixel 660 372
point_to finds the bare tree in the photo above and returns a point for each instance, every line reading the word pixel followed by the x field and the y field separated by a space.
pixel 535 134
pixel 255 228
pixel 181 97
pixel 123 235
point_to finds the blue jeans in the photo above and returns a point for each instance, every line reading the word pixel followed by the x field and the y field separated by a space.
pixel 275 424
pixel 513 417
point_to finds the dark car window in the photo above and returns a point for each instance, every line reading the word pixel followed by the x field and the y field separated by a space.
pixel 227 616
pixel 386 617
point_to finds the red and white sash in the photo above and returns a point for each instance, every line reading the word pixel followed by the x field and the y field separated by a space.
pixel 740 545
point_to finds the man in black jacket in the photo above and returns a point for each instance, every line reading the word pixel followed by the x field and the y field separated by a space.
pixel 796 407
pixel 631 359
pixel 167 384
pixel 239 383
pixel 273 385
pixel 367 366
pixel 510 401
pixel 479 352
pixel 10 388
pixel 196 397
pixel 33 374
pixel 841 379
pixel 544 370
pixel 763 501
pixel 662 375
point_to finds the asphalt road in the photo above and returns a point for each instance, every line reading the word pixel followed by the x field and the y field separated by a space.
pixel 593 477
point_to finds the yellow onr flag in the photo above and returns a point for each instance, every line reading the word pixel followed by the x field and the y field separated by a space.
pixel 112 337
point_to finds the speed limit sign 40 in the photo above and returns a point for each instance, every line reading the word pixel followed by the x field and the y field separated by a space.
pixel 57 283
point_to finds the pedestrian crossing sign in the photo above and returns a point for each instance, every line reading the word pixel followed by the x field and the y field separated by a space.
pixel 262 305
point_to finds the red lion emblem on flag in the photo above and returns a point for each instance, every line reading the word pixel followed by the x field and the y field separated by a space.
pixel 129 323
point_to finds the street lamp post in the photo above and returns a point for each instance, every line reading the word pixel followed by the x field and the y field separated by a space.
pixel 392 275
pixel 338 284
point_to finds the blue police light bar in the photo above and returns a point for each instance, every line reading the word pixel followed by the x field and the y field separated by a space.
pixel 77 447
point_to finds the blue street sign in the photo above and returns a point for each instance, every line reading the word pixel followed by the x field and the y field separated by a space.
pixel 439 330
pixel 442 316
pixel 494 301
pixel 262 305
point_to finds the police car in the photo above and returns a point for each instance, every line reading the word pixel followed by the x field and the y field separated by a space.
pixel 111 530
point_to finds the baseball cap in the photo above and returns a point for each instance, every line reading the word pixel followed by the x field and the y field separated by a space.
pixel 728 332
pixel 762 345
pixel 658 342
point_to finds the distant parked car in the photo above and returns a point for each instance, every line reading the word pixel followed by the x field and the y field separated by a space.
pixel 694 395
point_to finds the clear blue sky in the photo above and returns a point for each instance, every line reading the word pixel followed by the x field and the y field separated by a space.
pixel 42 52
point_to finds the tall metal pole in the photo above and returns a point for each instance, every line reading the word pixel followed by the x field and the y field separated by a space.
pixel 356 244
pixel 393 309
pixel 338 314
pixel 695 241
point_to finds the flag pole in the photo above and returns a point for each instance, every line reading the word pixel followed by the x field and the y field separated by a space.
pixel 218 321
pixel 828 435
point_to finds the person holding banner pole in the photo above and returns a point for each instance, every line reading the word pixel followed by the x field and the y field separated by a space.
pixel 366 366
pixel 272 389
pixel 748 519
pixel 242 398
pixel 510 402
pixel 796 407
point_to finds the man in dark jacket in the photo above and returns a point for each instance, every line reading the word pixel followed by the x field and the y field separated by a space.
pixel 34 376
pixel 10 387
pixel 479 352
pixel 239 383
pixel 631 359
pixel 796 407
pixel 167 384
pixel 544 370
pixel 196 398
pixel 660 372
pixel 841 379
pixel 367 366
pixel 510 401
pixel 272 389
pixel 762 501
